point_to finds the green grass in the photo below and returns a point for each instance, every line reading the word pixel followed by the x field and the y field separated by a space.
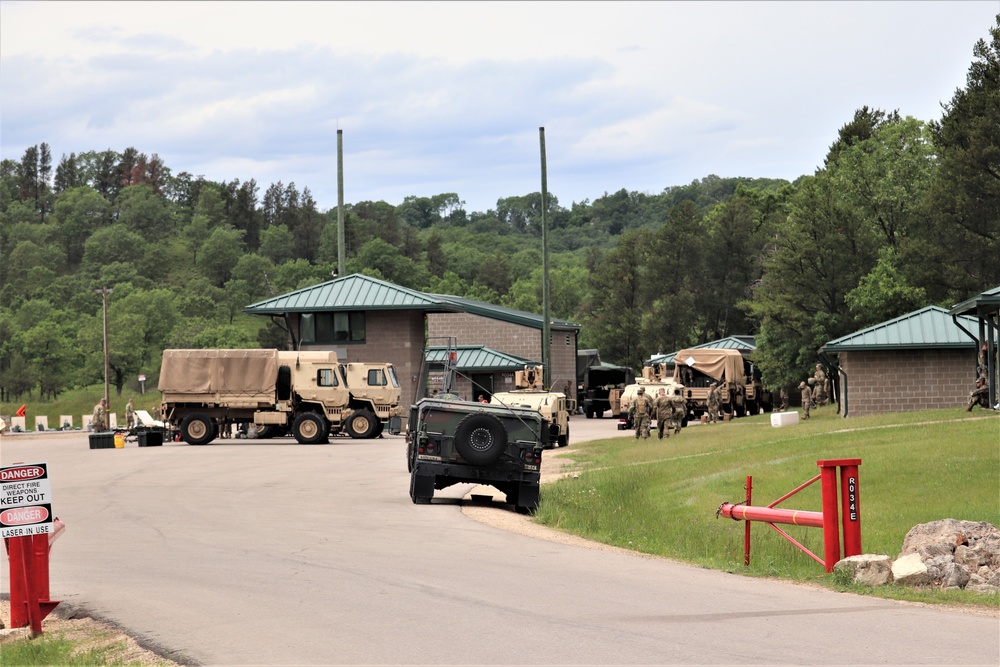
pixel 78 402
pixel 55 649
pixel 661 497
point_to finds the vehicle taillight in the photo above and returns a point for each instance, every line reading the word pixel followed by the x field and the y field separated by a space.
pixel 531 457
pixel 427 448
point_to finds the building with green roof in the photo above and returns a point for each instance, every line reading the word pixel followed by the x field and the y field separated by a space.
pixel 923 360
pixel 366 319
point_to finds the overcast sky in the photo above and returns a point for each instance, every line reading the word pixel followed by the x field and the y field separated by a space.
pixel 448 97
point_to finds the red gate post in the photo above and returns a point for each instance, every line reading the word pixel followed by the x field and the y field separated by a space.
pixel 746 528
pixel 831 526
pixel 850 505
pixel 29 579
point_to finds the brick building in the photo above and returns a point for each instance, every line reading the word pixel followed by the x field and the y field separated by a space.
pixel 920 361
pixel 365 319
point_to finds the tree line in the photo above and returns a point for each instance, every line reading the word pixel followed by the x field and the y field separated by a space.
pixel 902 213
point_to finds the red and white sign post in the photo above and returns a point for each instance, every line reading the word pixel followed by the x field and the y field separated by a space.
pixel 28 529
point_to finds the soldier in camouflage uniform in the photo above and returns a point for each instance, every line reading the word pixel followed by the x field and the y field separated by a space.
pixel 100 416
pixel 639 412
pixel 713 404
pixel 806 399
pixel 664 409
pixel 819 390
pixel 679 410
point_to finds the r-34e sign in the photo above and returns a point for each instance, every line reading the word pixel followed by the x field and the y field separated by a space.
pixel 25 500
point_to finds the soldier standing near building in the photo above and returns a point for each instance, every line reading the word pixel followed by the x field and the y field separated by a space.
pixel 664 408
pixel 713 403
pixel 679 410
pixel 100 416
pixel 819 391
pixel 640 411
pixel 806 399
pixel 129 415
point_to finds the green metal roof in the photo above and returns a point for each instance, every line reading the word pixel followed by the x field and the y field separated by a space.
pixel 479 358
pixel 504 314
pixel 353 292
pixel 930 327
pixel 741 343
pixel 987 302
pixel 360 292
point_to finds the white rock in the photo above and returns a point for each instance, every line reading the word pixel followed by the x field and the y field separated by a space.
pixel 910 571
pixel 867 569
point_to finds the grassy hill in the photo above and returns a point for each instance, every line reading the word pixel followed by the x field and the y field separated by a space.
pixel 661 497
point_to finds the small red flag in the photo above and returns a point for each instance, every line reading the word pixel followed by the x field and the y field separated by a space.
pixel 20 410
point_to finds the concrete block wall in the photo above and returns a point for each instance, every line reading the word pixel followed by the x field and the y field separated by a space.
pixel 880 381
pixel 392 336
pixel 516 339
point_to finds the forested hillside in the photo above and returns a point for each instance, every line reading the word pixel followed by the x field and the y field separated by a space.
pixel 901 214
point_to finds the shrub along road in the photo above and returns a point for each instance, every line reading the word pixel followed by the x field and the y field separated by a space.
pixel 269 552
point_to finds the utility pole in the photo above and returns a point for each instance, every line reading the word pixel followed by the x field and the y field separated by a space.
pixel 546 327
pixel 104 292
pixel 340 203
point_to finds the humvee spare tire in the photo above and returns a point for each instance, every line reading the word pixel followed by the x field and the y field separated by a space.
pixel 480 439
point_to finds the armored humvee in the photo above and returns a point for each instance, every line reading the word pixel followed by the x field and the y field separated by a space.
pixel 654 378
pixel 553 405
pixel 451 441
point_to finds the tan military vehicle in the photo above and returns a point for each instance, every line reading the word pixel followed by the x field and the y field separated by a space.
pixel 697 368
pixel 308 393
pixel 553 405
pixel 654 378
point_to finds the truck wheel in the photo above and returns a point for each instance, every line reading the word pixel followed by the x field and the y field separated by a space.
pixel 268 431
pixel 309 428
pixel 480 439
pixel 590 413
pixel 362 424
pixel 198 429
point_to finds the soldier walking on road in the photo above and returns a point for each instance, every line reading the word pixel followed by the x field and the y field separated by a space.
pixel 713 404
pixel 664 408
pixel 101 416
pixel 806 399
pixel 639 411
pixel 130 415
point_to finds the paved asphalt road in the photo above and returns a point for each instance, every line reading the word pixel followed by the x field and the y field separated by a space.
pixel 272 553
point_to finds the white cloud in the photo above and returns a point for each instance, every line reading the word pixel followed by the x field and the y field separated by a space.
pixel 448 97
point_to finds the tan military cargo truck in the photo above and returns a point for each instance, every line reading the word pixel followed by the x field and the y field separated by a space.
pixel 653 379
pixel 307 393
pixel 553 405
pixel 697 368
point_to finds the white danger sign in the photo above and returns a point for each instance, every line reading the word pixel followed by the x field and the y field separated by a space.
pixel 25 500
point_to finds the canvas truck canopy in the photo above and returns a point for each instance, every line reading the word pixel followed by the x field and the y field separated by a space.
pixel 713 362
pixel 219 371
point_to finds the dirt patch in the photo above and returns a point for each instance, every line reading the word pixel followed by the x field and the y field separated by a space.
pixel 87 634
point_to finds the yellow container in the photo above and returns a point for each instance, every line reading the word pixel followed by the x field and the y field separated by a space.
pixel 119 440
